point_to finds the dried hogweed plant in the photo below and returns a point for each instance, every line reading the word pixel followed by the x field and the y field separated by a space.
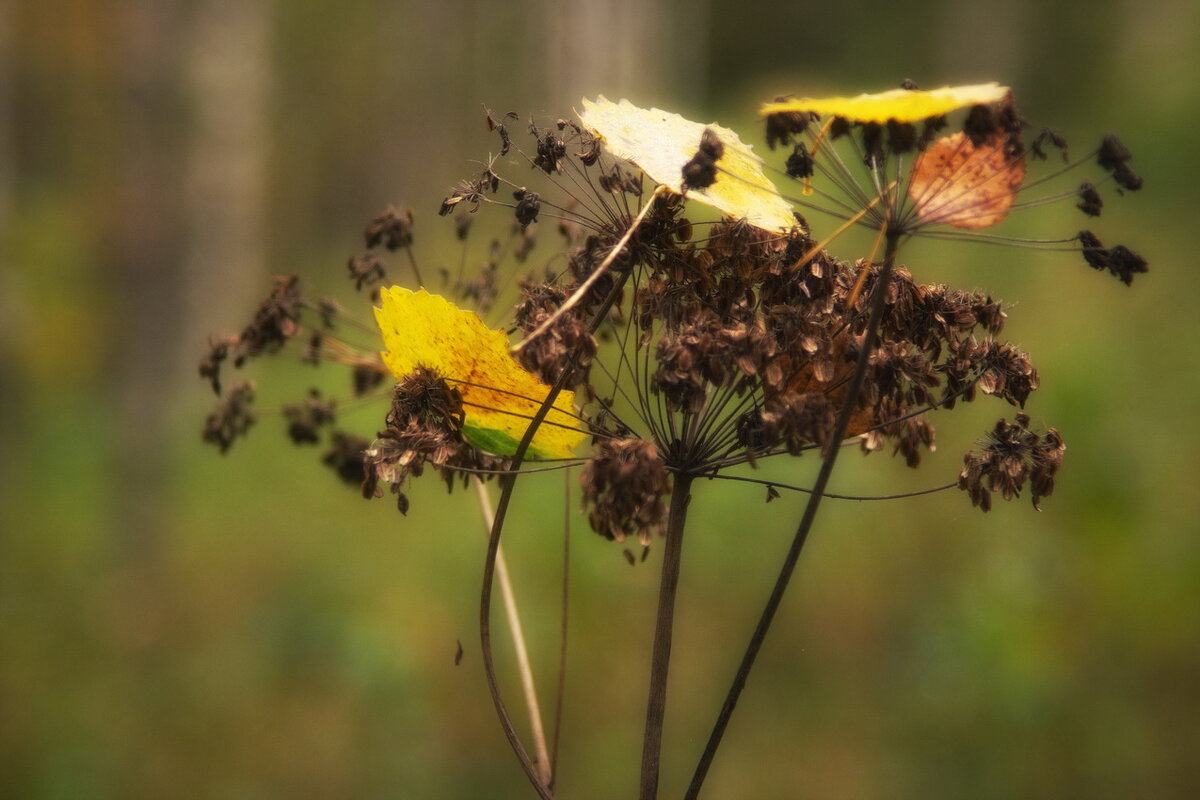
pixel 663 343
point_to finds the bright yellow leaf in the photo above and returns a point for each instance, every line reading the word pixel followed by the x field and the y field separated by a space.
pixel 426 330
pixel 660 143
pixel 901 105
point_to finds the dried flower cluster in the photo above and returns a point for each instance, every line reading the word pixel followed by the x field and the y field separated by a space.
pixel 1011 455
pixel 701 345
pixel 694 346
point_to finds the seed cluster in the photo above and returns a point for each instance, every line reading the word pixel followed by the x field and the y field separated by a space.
pixel 697 344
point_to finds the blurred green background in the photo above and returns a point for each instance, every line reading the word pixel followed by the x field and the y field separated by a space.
pixel 178 624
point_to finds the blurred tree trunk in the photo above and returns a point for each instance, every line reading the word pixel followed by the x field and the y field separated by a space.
pixel 447 59
pixel 963 55
pixel 7 69
pixel 228 76
pixel 647 49
pixel 191 221
pixel 14 401
pixel 145 286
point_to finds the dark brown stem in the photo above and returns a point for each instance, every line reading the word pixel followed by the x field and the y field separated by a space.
pixel 507 485
pixel 878 303
pixel 412 260
pixel 485 633
pixel 560 692
pixel 660 660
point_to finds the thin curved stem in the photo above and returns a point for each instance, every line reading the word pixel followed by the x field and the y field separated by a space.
pixel 878 302
pixel 529 690
pixel 660 660
pixel 507 486
pixel 564 608
pixel 596 275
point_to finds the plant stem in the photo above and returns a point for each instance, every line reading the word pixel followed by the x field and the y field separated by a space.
pixel 878 303
pixel 564 618
pixel 507 485
pixel 509 599
pixel 660 660
pixel 412 260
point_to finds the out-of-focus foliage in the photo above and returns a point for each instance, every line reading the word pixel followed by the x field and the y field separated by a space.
pixel 173 622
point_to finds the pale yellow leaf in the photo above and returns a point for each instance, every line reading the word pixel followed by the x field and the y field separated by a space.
pixel 660 143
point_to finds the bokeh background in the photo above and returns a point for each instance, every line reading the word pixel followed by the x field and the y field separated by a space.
pixel 178 624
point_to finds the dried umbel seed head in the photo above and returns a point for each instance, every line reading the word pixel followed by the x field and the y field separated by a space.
pixel 392 229
pixel 232 419
pixel 587 258
pixel 800 163
pixel 500 126
pixel 567 344
pixel 210 364
pixel 1090 201
pixel 423 426
pixel 701 171
pixel 345 456
pixel 306 419
pixel 473 191
pixel 399 452
pixel 1114 157
pixel 624 484
pixel 1011 455
pixel 366 269
pixel 707 352
pixel 994 367
pixel 795 421
pixel 551 150
pixel 783 127
pixel 275 322
pixel 987 122
pixel 365 378
pixel 940 317
pixel 426 400
pixel 1037 148
pixel 1120 260
pixel 528 205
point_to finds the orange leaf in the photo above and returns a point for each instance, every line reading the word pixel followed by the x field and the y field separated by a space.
pixel 956 183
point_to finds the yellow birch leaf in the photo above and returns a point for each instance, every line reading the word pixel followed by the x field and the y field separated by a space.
pixel 956 183
pixel 901 105
pixel 499 396
pixel 660 143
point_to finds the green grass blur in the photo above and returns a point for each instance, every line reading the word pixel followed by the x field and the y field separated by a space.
pixel 174 623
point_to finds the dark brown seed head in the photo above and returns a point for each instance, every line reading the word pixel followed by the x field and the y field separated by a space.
pixel 623 486
pixel 366 269
pixel 701 171
pixel 232 419
pixel 275 322
pixel 392 229
pixel 528 205
pixel 1090 201
pixel 1114 156
pixel 800 163
pixel 210 365
pixel 783 128
pixel 425 399
pixel 305 420
pixel 567 344
pixel 345 456
pixel 1011 455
